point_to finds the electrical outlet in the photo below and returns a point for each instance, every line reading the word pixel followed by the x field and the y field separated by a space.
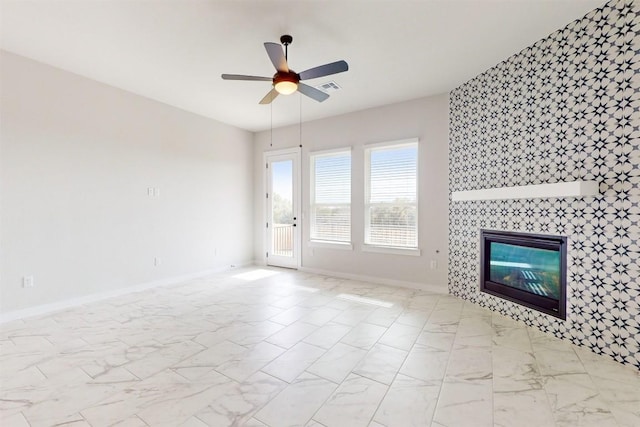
pixel 150 191
pixel 27 282
pixel 434 264
pixel 157 261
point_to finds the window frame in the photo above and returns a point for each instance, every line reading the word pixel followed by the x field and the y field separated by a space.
pixel 322 243
pixel 373 247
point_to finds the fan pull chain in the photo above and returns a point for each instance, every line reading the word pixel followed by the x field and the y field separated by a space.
pixel 271 127
pixel 300 97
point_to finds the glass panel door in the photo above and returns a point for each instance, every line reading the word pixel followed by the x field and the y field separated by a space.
pixel 282 210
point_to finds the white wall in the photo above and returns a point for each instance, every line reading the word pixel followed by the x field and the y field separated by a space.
pixel 425 118
pixel 77 158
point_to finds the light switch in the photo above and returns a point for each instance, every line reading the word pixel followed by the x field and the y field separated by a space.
pixel 27 282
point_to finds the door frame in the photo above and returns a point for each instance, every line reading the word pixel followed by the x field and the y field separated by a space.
pixel 296 152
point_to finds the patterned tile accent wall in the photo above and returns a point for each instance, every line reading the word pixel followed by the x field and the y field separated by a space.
pixel 566 108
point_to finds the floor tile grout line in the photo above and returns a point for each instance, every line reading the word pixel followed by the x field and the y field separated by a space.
pixel 493 377
pixel 435 410
pixel 591 376
pixel 332 393
pixel 316 421
pixel 87 421
pixel 239 383
pixel 386 328
pixel 25 418
pixel 373 415
pixel 399 369
pixel 542 382
pixel 274 397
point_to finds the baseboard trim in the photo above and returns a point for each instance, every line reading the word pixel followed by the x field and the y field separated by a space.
pixel 86 299
pixel 428 287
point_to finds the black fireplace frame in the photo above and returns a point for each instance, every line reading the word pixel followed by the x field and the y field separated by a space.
pixel 551 306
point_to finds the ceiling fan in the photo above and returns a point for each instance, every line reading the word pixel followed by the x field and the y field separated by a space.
pixel 286 81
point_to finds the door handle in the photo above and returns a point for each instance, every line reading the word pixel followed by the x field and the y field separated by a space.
pixel 294 225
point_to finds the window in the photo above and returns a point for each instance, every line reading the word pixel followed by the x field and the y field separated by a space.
pixel 331 196
pixel 391 201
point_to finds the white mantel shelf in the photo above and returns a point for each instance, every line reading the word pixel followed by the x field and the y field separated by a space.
pixel 537 191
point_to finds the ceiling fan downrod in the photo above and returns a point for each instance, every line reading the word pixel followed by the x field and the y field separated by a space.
pixel 286 40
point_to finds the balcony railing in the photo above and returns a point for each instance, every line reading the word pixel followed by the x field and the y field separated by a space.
pixel 283 240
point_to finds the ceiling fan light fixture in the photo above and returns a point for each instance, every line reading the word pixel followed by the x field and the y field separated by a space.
pixel 286 87
pixel 286 81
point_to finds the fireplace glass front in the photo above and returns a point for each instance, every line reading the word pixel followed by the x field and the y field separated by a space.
pixel 529 269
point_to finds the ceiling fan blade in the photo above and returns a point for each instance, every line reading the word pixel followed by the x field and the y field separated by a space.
pixel 312 92
pixel 324 70
pixel 268 98
pixel 243 77
pixel 276 55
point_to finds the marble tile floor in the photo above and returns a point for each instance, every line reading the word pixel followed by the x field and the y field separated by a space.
pixel 271 347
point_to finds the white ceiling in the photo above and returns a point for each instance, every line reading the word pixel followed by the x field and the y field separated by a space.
pixel 174 51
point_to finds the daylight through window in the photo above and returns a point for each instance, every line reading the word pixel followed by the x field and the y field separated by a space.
pixel 391 203
pixel 331 196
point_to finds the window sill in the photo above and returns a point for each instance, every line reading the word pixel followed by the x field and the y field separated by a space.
pixel 343 246
pixel 391 250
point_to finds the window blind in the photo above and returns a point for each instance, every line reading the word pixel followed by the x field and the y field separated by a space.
pixel 391 189
pixel 331 196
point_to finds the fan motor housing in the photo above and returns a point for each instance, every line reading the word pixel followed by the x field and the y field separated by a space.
pixel 282 76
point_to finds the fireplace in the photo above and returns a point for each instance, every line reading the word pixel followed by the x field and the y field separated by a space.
pixel 529 269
